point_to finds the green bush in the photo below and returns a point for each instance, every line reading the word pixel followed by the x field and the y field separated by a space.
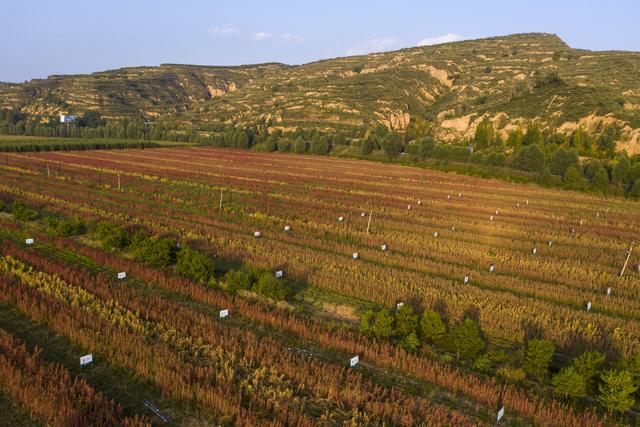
pixel 65 227
pixel 153 250
pixel 271 287
pixel 22 212
pixel 236 280
pixel 112 236
pixel 195 265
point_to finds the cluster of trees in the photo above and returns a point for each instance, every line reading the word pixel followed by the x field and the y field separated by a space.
pixel 261 281
pixel 615 388
pixel 410 330
pixel 165 252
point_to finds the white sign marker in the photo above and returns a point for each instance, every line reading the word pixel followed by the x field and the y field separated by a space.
pixel 453 228
pixel 355 255
pixel 354 361
pixel 448 196
pixel 362 214
pixel 122 275
pixel 257 234
pixel 419 202
pixel 224 313
pixel 435 234
pixel 496 211
pixel 86 359
pixel 491 268
pixel 466 279
pixel 398 305
pixel 491 218
pixel 340 218
pixel 29 241
pixel 500 414
pixel 517 205
pixel 279 274
pixel 589 306
pixel 608 291
pixel 383 247
pixel 534 251
pixel 550 243
pixel 459 194
pixel 287 228
pixel 408 207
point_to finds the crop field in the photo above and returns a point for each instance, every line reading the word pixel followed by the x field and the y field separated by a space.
pixel 348 236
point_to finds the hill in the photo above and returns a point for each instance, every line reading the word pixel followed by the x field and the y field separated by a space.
pixel 513 80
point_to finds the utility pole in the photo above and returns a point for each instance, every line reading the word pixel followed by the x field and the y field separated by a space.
pixel 369 221
pixel 627 260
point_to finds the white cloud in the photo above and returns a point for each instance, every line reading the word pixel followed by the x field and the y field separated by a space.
pixel 291 38
pixel 261 36
pixel 445 38
pixel 373 45
pixel 226 30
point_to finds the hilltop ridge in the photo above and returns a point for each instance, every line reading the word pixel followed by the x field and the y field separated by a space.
pixel 512 80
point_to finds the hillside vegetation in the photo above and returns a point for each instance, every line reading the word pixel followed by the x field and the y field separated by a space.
pixel 511 80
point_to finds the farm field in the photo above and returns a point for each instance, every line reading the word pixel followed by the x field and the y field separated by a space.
pixel 350 237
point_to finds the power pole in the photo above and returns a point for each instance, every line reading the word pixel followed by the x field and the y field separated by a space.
pixel 624 267
pixel 369 222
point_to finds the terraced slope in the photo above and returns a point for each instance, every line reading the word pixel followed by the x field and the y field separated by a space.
pixel 511 79
pixel 129 92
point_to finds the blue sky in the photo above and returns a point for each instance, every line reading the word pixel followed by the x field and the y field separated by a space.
pixel 39 38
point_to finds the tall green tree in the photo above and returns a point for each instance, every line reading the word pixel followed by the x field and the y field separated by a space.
pixel 533 135
pixel 406 320
pixel 299 146
pixel 538 358
pixel 383 327
pixel 569 383
pixel 484 135
pixel 530 158
pixel 589 364
pixel 621 171
pixel 432 327
pixel 465 339
pixel 616 391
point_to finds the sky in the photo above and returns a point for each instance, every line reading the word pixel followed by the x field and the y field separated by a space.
pixel 40 38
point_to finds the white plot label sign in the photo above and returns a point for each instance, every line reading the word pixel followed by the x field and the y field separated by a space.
pixel 608 291
pixel 340 218
pixel 491 267
pixel 279 274
pixel 224 313
pixel 466 279
pixel 29 241
pixel 122 275
pixel 355 255
pixel 257 234
pixel 500 414
pixel 354 361
pixel 383 247
pixel 589 306
pixel 287 228
pixel 399 305
pixel 86 359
